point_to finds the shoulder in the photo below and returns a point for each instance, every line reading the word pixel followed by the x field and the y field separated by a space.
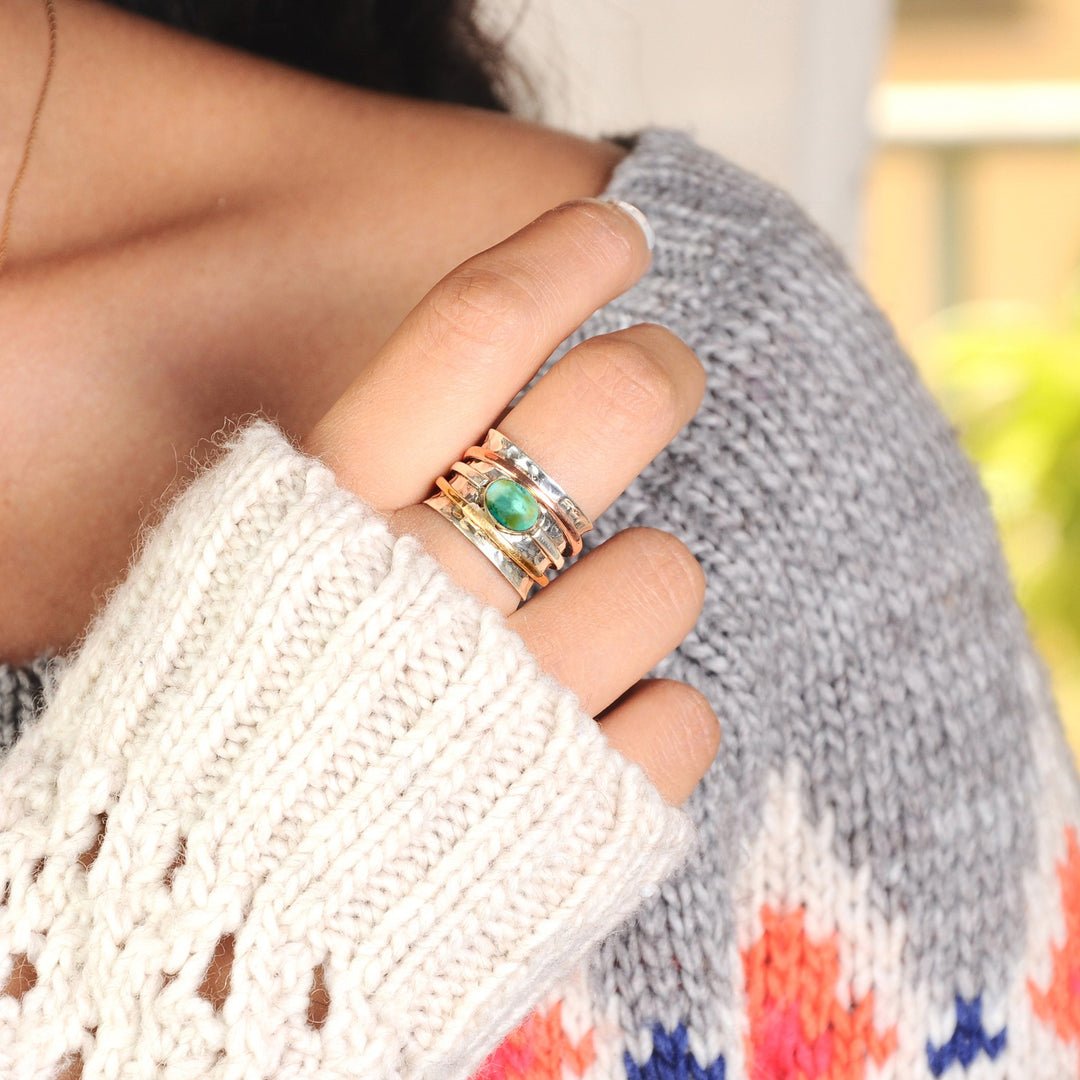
pixel 781 321
pixel 676 175
pixel 816 435
pixel 729 239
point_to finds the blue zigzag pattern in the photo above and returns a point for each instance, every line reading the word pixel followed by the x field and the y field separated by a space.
pixel 968 1040
pixel 671 1060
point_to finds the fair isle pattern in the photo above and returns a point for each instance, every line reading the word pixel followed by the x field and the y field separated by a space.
pixel 882 882
pixel 969 1041
pixel 797 1023
pixel 672 1059
pixel 536 1050
pixel 561 1038
pixel 539 1049
pixel 1044 1016
pixel 822 970
pixel 1058 1005
pixel 810 994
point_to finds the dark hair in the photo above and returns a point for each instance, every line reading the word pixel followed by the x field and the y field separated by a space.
pixel 418 48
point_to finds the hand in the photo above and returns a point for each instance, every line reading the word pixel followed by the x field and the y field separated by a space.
pixel 593 422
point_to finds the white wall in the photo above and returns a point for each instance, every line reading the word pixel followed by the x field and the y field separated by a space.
pixel 779 86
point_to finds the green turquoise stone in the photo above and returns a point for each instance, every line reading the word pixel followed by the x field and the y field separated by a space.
pixel 511 505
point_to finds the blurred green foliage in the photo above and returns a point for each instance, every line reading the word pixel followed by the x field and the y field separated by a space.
pixel 1009 378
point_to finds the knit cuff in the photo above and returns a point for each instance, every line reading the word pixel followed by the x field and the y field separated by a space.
pixel 295 737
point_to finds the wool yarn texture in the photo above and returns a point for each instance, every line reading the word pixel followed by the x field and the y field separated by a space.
pixel 374 789
pixel 274 729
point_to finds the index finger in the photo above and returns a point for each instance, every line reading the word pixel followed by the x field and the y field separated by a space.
pixel 470 345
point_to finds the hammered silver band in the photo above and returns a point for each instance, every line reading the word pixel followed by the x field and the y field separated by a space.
pixel 522 556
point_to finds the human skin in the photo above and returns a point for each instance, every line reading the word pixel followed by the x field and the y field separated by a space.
pixel 203 234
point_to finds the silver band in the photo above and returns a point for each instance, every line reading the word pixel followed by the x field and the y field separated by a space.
pixel 574 523
pixel 523 557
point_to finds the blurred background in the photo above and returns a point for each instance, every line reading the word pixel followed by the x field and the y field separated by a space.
pixel 938 142
pixel 970 241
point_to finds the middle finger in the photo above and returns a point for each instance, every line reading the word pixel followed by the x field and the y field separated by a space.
pixel 592 422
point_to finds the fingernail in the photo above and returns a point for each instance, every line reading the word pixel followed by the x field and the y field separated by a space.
pixel 631 211
pixel 639 217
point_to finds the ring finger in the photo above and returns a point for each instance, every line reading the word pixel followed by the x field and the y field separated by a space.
pixel 592 422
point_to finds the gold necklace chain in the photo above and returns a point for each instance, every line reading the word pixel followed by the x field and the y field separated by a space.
pixel 5 229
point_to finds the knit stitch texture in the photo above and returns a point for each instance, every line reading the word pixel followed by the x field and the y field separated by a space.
pixel 292 735
pixel 886 874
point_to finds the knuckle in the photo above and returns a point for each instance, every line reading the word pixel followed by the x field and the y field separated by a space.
pixel 478 307
pixel 634 387
pixel 667 573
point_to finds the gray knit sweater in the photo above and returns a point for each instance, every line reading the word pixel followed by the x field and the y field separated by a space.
pixel 884 874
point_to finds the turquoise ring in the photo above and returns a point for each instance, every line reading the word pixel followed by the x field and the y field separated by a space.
pixel 512 511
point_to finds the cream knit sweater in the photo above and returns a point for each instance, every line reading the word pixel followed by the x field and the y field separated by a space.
pixel 298 734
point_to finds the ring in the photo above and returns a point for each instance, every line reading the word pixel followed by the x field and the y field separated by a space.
pixel 512 511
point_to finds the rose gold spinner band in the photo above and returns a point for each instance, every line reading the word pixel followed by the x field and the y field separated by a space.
pixel 512 511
